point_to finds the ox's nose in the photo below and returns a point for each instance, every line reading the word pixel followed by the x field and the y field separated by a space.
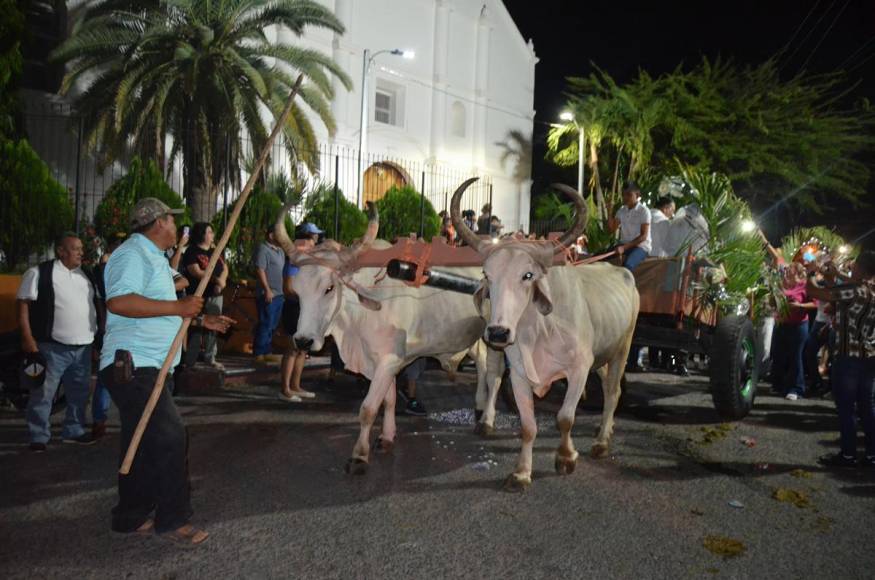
pixel 497 334
pixel 303 343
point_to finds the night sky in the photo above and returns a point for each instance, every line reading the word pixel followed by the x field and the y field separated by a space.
pixel 621 37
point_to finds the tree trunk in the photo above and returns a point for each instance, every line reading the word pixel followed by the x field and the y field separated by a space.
pixel 599 194
pixel 614 189
pixel 198 193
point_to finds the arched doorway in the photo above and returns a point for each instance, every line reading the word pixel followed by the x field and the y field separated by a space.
pixel 380 177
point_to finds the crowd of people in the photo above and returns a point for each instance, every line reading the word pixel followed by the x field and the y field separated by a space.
pixel 124 313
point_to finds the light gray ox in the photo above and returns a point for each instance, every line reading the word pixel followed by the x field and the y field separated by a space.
pixel 553 322
pixel 380 326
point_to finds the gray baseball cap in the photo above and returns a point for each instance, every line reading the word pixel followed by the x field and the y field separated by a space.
pixel 148 210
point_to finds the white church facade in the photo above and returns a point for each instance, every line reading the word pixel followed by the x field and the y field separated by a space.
pixel 469 85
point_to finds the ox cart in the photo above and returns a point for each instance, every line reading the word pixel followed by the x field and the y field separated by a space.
pixel 675 311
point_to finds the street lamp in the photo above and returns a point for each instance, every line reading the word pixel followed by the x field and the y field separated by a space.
pixel 568 117
pixel 367 59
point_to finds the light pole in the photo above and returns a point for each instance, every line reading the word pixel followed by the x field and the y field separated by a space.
pixel 568 117
pixel 367 59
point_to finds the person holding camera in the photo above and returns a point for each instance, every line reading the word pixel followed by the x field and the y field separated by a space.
pixel 853 369
pixel 143 318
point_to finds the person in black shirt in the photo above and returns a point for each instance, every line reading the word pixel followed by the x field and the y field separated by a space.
pixel 484 221
pixel 194 265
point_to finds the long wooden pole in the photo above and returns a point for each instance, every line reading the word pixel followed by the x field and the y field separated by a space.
pixel 220 246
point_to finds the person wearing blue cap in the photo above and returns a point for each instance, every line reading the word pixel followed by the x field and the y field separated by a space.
pixel 310 230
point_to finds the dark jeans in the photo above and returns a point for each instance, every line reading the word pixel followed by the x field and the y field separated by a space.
pixel 269 315
pixel 158 480
pixel 817 338
pixel 633 257
pixel 788 371
pixel 198 337
pixel 853 383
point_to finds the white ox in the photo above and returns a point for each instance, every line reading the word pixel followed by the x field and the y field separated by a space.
pixel 380 326
pixel 554 322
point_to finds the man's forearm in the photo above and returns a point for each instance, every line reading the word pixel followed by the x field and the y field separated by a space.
pixel 136 306
pixel 262 279
pixel 634 243
pixel 24 319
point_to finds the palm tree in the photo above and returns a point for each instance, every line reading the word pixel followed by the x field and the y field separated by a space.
pixel 203 73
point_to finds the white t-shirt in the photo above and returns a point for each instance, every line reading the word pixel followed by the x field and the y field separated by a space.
pixel 630 224
pixel 659 226
pixel 75 321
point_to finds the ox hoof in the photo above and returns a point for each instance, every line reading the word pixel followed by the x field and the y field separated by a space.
pixel 599 451
pixel 478 414
pixel 517 483
pixel 565 465
pixel 356 466
pixel 383 446
pixel 484 429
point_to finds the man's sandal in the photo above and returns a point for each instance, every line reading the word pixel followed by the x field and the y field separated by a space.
pixel 187 535
pixel 146 528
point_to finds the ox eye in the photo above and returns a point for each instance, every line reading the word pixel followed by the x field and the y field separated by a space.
pixel 528 276
pixel 330 289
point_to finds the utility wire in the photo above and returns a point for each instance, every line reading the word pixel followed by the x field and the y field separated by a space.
pixel 798 29
pixel 856 52
pixel 861 63
pixel 825 34
pixel 429 85
pixel 813 28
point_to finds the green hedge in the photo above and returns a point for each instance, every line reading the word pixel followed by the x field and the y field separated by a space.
pixel 34 208
pixel 400 214
pixel 258 214
pixel 143 179
pixel 319 210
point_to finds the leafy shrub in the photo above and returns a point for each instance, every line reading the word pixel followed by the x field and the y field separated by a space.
pixel 34 208
pixel 259 213
pixel 319 210
pixel 143 179
pixel 400 214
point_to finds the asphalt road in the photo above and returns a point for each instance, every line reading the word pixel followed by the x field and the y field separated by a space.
pixel 269 485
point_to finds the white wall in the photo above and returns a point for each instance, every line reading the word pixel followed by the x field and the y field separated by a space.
pixel 465 56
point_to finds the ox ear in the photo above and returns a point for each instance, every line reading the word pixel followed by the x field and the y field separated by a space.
pixel 480 295
pixel 367 301
pixel 541 297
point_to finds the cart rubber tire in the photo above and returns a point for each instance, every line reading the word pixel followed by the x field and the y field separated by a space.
pixel 734 368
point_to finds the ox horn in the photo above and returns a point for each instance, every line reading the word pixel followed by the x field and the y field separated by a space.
pixel 371 232
pixel 464 231
pixel 579 225
pixel 281 235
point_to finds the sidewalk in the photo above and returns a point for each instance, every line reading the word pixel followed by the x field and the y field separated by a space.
pixel 241 369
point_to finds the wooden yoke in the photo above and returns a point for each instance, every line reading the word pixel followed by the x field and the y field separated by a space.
pixel 437 253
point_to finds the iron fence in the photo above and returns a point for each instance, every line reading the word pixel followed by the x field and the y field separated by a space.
pixel 55 132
